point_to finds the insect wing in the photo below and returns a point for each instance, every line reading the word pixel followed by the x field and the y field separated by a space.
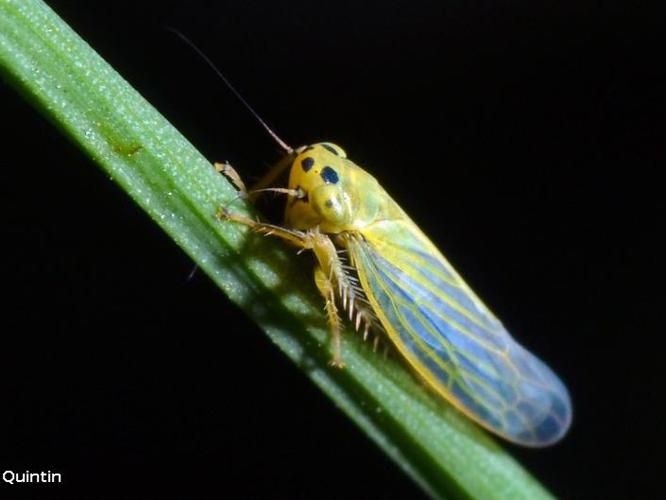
pixel 454 342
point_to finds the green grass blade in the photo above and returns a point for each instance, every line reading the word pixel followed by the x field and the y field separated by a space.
pixel 84 97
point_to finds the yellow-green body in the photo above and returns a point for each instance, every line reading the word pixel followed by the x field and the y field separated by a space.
pixel 393 278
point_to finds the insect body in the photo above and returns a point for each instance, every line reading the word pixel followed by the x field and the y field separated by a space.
pixel 405 284
pixel 400 280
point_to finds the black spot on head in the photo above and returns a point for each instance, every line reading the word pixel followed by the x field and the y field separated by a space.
pixel 329 175
pixel 329 203
pixel 330 148
pixel 307 163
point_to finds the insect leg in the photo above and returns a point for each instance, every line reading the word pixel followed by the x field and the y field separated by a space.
pixel 230 172
pixel 299 238
pixel 269 179
pixel 329 273
pixel 327 289
pixel 330 278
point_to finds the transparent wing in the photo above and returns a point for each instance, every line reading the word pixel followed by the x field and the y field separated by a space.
pixel 454 341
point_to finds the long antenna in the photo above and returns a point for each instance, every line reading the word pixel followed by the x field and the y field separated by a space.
pixel 203 56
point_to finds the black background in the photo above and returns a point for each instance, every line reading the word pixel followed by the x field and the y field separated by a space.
pixel 527 138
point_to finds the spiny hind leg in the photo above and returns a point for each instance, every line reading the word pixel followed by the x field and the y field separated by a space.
pixel 326 288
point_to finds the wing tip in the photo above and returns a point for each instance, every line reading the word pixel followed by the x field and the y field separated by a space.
pixel 551 429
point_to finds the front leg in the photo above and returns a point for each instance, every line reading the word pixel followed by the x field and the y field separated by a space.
pixel 230 173
pixel 262 184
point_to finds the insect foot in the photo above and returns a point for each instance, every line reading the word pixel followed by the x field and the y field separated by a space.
pixel 337 363
pixel 223 213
